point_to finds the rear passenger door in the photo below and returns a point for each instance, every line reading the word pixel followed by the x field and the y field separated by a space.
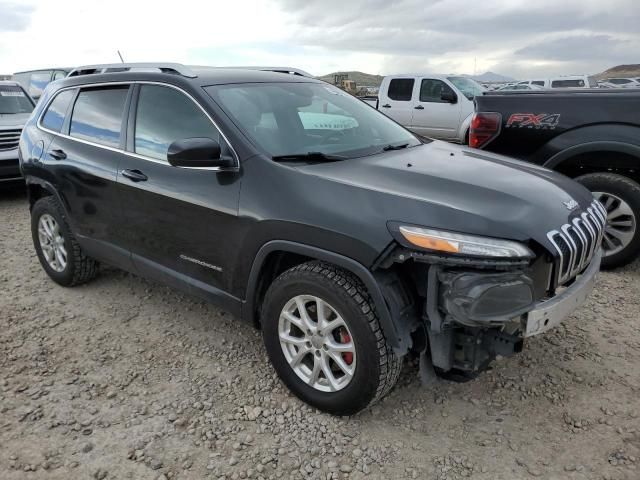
pixel 433 116
pixel 397 101
pixel 84 157
pixel 178 220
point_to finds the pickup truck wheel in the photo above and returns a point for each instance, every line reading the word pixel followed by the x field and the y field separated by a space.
pixel 56 247
pixel 324 340
pixel 621 197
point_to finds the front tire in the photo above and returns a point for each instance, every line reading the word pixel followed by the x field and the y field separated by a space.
pixel 58 251
pixel 323 337
pixel 621 197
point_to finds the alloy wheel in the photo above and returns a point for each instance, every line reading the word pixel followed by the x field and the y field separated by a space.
pixel 52 243
pixel 621 223
pixel 317 343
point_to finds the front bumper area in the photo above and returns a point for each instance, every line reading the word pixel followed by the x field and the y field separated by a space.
pixel 548 314
pixel 9 166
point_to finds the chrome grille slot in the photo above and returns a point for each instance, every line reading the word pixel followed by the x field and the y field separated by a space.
pixel 577 242
pixel 9 138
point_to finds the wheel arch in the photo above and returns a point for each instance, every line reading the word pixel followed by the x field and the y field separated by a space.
pixel 37 189
pixel 598 156
pixel 276 256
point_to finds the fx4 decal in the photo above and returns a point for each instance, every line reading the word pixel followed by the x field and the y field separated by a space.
pixel 532 120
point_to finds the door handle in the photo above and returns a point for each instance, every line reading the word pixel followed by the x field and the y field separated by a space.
pixel 134 175
pixel 386 105
pixel 57 154
pixel 419 107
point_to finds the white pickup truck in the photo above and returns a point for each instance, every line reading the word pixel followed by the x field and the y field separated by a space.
pixel 436 106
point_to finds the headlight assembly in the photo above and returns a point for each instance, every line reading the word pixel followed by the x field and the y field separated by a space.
pixel 449 242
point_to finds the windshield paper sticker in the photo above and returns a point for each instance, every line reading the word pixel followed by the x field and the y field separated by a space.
pixel 11 93
pixel 531 120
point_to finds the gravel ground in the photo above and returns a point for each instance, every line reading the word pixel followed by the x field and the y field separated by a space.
pixel 125 378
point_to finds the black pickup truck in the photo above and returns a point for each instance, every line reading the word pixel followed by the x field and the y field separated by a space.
pixel 592 136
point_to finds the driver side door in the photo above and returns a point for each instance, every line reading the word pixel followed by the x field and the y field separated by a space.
pixel 432 116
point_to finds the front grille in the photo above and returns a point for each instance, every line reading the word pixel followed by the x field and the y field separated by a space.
pixel 576 242
pixel 9 138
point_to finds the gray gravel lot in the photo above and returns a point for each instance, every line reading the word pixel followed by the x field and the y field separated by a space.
pixel 125 378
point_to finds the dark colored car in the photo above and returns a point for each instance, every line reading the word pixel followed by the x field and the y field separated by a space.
pixel 35 81
pixel 15 108
pixel 294 205
pixel 592 136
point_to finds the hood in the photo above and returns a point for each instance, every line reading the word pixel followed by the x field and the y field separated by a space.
pixel 13 120
pixel 450 187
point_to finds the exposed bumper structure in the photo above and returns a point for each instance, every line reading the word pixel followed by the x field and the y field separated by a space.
pixel 552 312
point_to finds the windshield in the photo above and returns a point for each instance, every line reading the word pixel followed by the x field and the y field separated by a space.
pixel 288 119
pixel 469 88
pixel 13 100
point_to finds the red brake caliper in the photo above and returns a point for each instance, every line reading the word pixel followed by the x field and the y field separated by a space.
pixel 346 338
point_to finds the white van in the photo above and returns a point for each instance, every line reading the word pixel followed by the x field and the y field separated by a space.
pixel 436 106
pixel 567 81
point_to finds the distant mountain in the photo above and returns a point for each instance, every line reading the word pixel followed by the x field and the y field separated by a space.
pixel 491 78
pixel 623 71
pixel 361 78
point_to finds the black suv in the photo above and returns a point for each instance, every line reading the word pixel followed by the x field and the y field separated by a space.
pixel 294 205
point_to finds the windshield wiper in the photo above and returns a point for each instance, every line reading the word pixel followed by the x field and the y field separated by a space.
pixel 395 147
pixel 313 156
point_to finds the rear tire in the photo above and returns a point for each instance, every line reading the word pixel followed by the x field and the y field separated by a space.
pixel 373 364
pixel 621 197
pixel 58 251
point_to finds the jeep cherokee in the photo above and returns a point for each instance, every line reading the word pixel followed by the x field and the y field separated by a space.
pixel 288 202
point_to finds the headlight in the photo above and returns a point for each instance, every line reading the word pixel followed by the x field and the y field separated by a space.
pixel 450 242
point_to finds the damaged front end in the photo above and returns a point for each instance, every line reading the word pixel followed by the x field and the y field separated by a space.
pixel 472 310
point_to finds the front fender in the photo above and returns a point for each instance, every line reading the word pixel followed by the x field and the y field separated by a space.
pixel 396 334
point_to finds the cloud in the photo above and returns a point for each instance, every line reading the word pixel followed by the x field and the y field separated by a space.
pixel 512 37
pixel 15 17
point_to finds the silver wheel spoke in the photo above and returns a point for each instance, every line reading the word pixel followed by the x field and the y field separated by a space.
pixel 303 352
pixel 315 373
pixel 608 242
pixel 295 320
pixel 622 209
pixel 339 361
pixel 340 347
pixel 299 341
pixel 621 223
pixel 333 324
pixel 321 312
pixel 304 315
pixel 326 369
pixel 624 237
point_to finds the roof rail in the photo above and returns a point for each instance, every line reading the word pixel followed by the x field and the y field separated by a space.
pixel 175 68
pixel 288 70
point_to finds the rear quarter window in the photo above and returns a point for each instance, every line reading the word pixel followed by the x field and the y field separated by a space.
pixel 401 89
pixel 53 119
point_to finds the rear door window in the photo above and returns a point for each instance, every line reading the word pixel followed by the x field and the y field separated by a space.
pixel 97 115
pixel 53 118
pixel 401 89
pixel 540 83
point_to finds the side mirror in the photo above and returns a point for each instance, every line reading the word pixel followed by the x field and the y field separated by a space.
pixel 197 153
pixel 449 96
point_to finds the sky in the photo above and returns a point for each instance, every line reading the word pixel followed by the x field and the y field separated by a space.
pixel 521 39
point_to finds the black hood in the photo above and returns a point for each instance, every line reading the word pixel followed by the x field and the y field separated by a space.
pixel 450 187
